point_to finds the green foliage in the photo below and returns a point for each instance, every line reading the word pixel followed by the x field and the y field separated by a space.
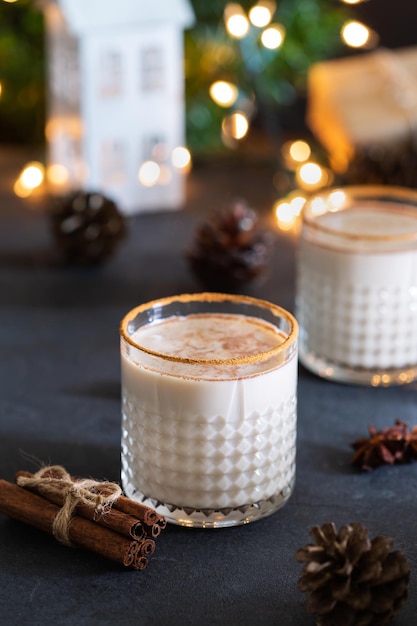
pixel 22 99
pixel 266 78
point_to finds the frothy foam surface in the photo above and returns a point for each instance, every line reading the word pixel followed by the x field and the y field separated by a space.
pixel 209 336
pixel 371 221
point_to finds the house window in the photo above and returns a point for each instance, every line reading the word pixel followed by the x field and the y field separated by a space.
pixel 154 168
pixel 110 73
pixel 152 69
pixel 113 166
pixel 154 148
pixel 64 73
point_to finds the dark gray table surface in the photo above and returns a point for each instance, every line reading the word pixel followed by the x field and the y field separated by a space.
pixel 60 404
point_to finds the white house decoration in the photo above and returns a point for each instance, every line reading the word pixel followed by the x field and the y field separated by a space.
pixel 116 112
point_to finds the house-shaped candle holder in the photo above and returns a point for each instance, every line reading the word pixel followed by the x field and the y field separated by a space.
pixel 116 113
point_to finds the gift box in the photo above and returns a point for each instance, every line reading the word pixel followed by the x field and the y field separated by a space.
pixel 363 110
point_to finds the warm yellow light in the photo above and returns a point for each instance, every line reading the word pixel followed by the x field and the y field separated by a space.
pixel 299 151
pixel 1 89
pixel 10 1
pixel 288 212
pixel 261 14
pixel 57 174
pixel 318 205
pixel 294 153
pixel 237 24
pixel 32 175
pixel 355 34
pixel 273 36
pixel 223 93
pixel 297 202
pixel 30 178
pixel 20 190
pixel 149 173
pixel 181 158
pixel 336 199
pixel 310 175
pixel 352 1
pixel 285 214
pixel 236 125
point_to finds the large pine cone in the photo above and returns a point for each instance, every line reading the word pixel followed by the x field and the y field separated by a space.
pixel 87 227
pixel 352 580
pixel 230 249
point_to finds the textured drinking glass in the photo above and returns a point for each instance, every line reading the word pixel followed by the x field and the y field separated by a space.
pixel 209 407
pixel 356 298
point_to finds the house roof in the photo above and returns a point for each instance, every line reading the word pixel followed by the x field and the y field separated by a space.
pixel 92 15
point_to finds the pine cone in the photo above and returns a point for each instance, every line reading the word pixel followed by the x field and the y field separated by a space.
pixel 352 580
pixel 87 227
pixel 230 249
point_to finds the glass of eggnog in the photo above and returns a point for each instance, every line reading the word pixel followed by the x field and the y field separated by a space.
pixel 209 407
pixel 356 299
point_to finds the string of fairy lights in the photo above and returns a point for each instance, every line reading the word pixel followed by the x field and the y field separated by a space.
pixel 297 155
pixel 262 21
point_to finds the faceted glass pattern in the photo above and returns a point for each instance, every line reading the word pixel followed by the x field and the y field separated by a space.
pixel 245 470
pixel 362 327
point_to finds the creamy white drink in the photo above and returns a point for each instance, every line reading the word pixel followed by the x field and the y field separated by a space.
pixel 209 416
pixel 357 291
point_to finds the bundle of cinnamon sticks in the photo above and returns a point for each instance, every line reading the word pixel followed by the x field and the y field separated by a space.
pixel 124 532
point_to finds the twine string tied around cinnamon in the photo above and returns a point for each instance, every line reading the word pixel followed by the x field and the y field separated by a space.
pixel 55 479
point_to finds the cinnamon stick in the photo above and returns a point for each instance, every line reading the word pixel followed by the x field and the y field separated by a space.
pixel 146 547
pixel 30 508
pixel 115 520
pixel 153 522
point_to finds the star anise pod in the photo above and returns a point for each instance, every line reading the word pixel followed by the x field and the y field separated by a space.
pixel 395 444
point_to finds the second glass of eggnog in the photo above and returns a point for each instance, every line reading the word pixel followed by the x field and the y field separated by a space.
pixel 209 407
pixel 357 285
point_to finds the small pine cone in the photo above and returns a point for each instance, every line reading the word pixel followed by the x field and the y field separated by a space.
pixel 351 580
pixel 230 249
pixel 86 227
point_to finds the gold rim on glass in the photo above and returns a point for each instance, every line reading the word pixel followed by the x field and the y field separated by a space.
pixel 213 297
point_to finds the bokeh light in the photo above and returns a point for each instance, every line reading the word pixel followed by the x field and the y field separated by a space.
pixel 57 174
pixel 288 211
pixel 299 150
pixel 273 36
pixel 355 34
pixel 235 126
pixel 261 14
pixel 181 158
pixel 237 24
pixel 311 175
pixel 223 93
pixel 149 173
pixel 31 177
